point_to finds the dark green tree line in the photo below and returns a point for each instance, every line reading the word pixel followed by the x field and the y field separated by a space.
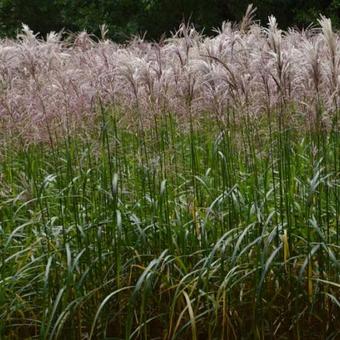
pixel 153 17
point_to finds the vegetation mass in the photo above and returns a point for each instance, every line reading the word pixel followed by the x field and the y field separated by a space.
pixel 182 190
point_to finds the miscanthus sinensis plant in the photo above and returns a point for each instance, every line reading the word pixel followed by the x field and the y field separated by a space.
pixel 187 189
pixel 246 67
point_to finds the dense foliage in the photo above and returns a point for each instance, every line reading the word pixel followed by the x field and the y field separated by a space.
pixel 181 190
pixel 126 17
pixel 220 232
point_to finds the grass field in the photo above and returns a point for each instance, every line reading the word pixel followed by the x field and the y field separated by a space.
pixel 181 222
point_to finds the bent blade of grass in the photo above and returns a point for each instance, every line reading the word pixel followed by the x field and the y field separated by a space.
pixel 62 318
pixel 266 268
pixel 239 241
pixel 102 305
pixel 54 309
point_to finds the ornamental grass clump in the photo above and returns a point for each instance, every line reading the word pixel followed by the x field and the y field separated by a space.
pixel 57 82
pixel 182 190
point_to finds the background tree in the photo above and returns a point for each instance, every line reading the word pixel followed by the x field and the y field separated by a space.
pixel 156 17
